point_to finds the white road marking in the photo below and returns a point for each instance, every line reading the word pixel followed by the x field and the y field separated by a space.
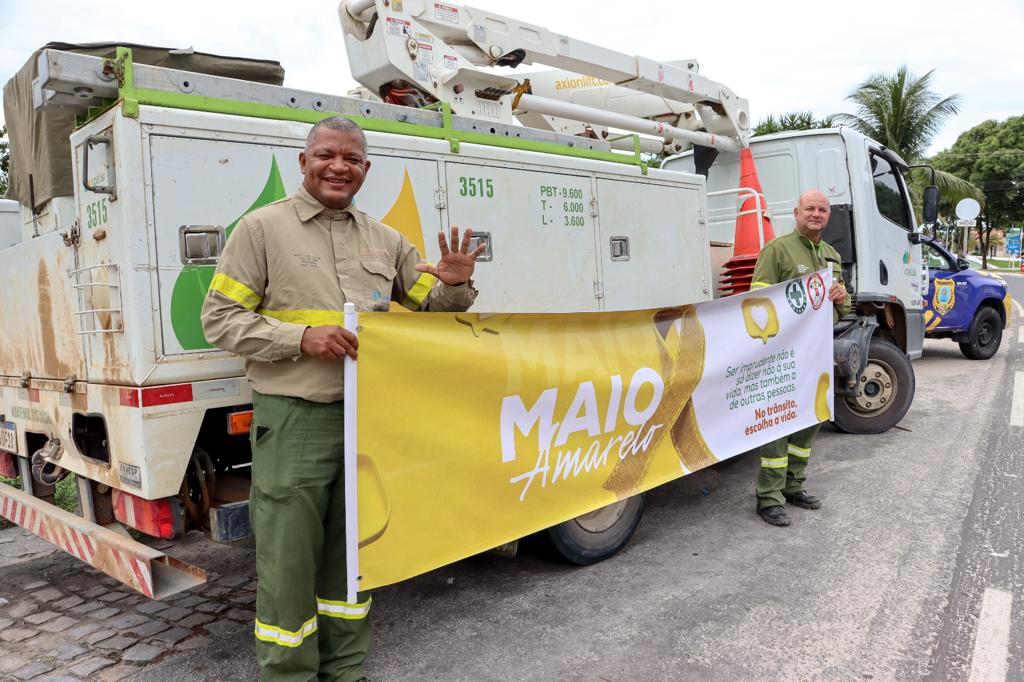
pixel 991 643
pixel 1020 334
pixel 1017 406
pixel 1019 307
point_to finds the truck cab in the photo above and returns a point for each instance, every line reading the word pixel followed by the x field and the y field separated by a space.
pixel 873 228
pixel 964 305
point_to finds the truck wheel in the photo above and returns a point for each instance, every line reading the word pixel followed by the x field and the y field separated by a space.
pixel 884 395
pixel 598 535
pixel 985 335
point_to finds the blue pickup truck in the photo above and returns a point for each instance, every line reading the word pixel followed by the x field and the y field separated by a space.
pixel 963 304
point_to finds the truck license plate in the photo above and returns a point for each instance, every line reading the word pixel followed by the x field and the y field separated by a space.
pixel 8 437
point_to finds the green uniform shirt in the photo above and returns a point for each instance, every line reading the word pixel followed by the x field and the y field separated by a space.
pixel 793 255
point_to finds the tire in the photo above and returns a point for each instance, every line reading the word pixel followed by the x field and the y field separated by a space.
pixel 598 535
pixel 884 395
pixel 985 334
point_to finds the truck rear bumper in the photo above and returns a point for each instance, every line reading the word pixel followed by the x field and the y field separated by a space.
pixel 106 548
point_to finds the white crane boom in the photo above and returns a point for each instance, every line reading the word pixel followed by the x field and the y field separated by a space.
pixel 420 51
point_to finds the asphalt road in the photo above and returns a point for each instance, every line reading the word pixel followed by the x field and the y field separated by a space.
pixel 911 570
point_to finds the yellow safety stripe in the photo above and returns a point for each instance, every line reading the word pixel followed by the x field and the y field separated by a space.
pixel 235 290
pixel 934 323
pixel 758 285
pixel 775 462
pixel 310 318
pixel 418 291
pixel 928 315
pixel 282 637
pixel 342 609
pixel 799 451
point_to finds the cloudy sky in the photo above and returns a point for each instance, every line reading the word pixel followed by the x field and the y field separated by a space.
pixel 783 55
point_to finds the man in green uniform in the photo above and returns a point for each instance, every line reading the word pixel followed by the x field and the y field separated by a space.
pixel 277 300
pixel 784 461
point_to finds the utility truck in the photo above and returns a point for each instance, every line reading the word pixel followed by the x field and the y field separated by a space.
pixel 132 166
pixel 872 225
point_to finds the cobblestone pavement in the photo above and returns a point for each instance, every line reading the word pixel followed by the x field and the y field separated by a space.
pixel 62 620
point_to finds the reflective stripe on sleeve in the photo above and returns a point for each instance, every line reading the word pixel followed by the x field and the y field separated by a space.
pixel 235 290
pixel 310 318
pixel 798 451
pixel 418 291
pixel 775 462
pixel 342 609
pixel 758 285
pixel 282 637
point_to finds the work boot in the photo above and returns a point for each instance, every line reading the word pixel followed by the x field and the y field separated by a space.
pixel 802 499
pixel 774 515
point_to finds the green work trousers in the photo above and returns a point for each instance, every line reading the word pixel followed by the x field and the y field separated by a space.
pixel 305 630
pixel 784 467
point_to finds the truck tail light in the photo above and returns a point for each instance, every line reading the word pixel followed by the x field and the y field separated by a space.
pixel 239 423
pixel 8 467
pixel 158 518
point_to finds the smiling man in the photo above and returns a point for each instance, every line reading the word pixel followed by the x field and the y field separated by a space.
pixel 277 300
pixel 801 252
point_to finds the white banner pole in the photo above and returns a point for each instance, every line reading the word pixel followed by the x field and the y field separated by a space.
pixel 351 452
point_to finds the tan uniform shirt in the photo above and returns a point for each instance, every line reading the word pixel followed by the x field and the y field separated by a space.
pixel 294 264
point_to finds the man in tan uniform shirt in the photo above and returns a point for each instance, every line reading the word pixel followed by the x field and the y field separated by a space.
pixel 277 300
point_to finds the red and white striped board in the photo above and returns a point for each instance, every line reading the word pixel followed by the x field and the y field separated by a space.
pixel 109 551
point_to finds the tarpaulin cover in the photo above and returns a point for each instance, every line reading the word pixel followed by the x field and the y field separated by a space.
pixel 39 139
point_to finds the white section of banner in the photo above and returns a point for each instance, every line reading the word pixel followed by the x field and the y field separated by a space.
pixel 768 392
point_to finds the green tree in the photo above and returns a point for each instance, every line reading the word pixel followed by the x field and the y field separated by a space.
pixel 5 159
pixel 991 156
pixel 792 120
pixel 902 112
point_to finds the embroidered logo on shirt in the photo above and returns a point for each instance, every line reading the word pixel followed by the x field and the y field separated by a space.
pixel 801 268
pixel 307 260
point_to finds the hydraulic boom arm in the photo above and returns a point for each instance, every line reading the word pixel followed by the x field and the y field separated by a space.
pixel 417 52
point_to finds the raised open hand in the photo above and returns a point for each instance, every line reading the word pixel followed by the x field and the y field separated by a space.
pixel 456 265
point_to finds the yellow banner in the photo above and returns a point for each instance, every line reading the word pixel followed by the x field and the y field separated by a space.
pixel 476 430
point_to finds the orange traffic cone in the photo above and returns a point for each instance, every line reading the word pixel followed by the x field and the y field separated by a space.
pixel 749 239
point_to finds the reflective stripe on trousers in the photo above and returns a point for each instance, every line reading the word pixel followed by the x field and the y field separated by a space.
pixel 341 609
pixel 798 451
pixel 282 637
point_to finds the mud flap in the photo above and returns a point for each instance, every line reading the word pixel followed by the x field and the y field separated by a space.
pixel 112 551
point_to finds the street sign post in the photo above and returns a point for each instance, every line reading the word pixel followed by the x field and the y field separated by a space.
pixel 1013 244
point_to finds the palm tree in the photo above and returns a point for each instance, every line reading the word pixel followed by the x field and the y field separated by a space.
pixel 902 112
pixel 792 120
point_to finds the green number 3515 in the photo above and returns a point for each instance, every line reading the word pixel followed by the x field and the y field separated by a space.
pixel 476 187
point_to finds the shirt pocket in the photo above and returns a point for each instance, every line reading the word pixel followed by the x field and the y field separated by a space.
pixel 376 281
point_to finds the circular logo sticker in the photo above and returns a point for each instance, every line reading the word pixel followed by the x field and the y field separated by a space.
pixel 796 297
pixel 816 290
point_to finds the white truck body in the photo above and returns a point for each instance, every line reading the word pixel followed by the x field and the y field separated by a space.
pixel 10 223
pixel 141 362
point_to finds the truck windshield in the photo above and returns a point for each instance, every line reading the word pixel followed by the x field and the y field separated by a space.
pixel 889 193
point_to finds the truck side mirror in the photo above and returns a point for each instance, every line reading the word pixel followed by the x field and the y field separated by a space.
pixel 962 264
pixel 930 210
